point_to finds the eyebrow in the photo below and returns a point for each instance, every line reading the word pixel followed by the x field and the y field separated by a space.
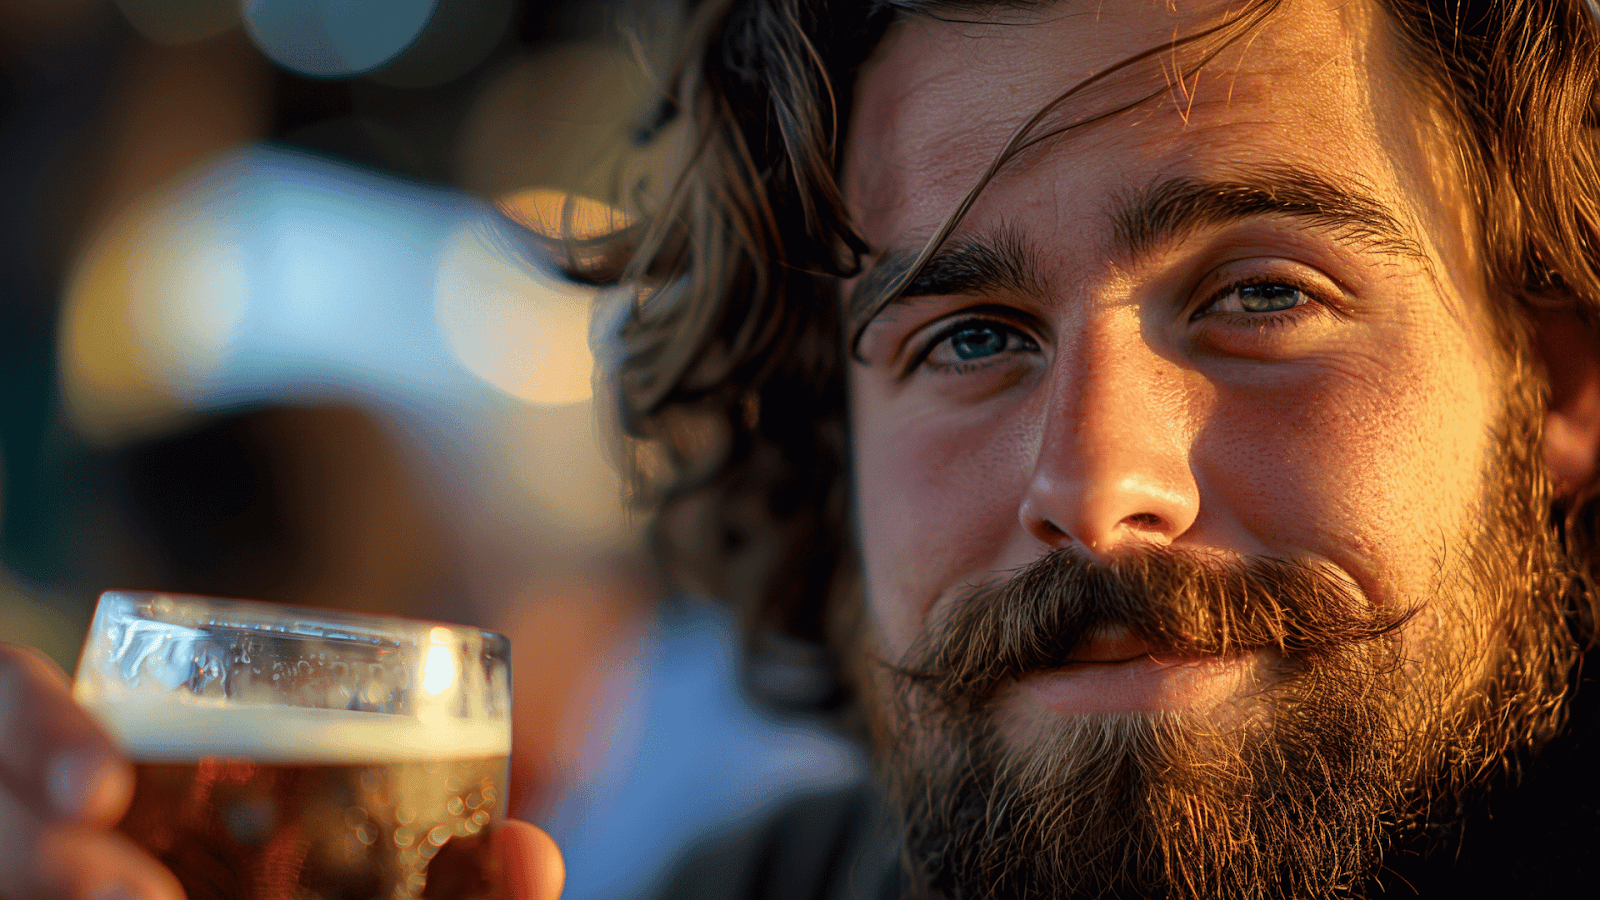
pixel 977 264
pixel 1171 209
pixel 1160 214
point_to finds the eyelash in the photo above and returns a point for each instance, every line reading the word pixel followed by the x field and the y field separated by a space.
pixel 1317 304
pixel 920 359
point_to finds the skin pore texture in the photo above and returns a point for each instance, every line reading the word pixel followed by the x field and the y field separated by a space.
pixel 1237 323
pixel 1351 429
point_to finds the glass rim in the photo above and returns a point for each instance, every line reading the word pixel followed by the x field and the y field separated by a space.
pixel 289 620
pixel 171 675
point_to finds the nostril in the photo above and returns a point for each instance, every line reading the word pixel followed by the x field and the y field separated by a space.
pixel 1148 521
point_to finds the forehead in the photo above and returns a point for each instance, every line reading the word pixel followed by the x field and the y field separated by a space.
pixel 1314 85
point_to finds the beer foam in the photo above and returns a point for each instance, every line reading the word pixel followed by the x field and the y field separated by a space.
pixel 150 732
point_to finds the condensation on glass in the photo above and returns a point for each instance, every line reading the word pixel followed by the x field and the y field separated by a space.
pixel 297 753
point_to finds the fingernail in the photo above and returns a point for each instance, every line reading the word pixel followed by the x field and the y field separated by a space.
pixel 85 784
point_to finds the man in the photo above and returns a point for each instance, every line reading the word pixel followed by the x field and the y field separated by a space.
pixel 1211 515
pixel 1178 420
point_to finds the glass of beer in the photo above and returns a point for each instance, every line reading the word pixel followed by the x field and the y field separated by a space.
pixel 304 754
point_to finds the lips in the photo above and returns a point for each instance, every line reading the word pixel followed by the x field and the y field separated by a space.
pixel 1143 683
pixel 1116 671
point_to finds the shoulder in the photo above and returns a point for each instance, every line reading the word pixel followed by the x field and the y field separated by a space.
pixel 831 845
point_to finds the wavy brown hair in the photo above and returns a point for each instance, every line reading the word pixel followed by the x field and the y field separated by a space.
pixel 730 361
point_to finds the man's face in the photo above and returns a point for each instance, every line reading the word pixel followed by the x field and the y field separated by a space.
pixel 1237 322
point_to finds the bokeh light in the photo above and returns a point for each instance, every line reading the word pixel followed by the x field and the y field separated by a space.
pixel 559 214
pixel 262 274
pixel 335 38
pixel 151 311
pixel 522 331
pixel 269 274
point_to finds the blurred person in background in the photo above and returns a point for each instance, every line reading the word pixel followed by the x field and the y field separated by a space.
pixel 261 372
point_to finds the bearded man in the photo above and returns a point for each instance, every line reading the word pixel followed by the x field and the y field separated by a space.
pixel 1177 420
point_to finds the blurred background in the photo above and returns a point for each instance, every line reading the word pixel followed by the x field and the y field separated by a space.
pixel 271 328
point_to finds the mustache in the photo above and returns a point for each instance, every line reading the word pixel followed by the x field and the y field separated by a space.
pixel 1178 602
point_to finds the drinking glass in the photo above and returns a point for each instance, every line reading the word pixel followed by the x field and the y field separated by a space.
pixel 304 754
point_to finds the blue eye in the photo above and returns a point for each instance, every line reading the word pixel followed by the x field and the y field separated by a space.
pixel 975 341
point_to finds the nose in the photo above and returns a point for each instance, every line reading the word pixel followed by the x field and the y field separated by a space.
pixel 1113 463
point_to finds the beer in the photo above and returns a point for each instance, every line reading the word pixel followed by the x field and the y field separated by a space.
pixel 286 753
pixel 285 803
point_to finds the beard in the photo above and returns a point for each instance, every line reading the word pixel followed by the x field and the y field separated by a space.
pixel 1352 735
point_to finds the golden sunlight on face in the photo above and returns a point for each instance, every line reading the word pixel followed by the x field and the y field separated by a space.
pixel 1105 354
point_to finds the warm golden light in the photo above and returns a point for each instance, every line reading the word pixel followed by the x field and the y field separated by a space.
pixel 560 215
pixel 439 666
pixel 525 333
pixel 151 309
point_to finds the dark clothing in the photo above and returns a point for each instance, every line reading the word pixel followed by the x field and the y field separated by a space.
pixel 1534 834
pixel 831 846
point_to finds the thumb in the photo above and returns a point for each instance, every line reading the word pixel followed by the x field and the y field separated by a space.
pixel 530 863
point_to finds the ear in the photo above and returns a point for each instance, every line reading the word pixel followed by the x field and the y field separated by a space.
pixel 1571 353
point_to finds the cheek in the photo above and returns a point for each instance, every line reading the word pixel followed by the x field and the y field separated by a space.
pixel 937 499
pixel 1376 467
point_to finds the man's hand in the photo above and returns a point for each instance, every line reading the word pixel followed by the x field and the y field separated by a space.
pixel 63 785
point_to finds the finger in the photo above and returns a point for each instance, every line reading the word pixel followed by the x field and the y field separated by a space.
pixel 54 757
pixel 79 863
pixel 530 862
pixel 73 861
